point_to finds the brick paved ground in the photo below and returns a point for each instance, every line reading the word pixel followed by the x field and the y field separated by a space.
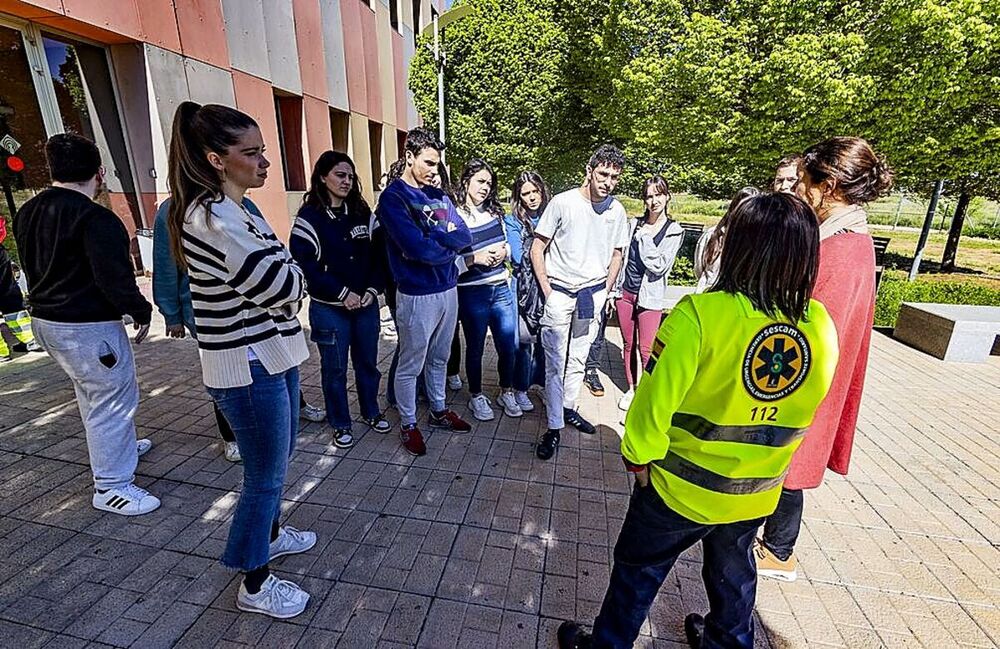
pixel 478 544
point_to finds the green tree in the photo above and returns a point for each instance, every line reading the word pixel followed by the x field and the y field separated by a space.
pixel 506 98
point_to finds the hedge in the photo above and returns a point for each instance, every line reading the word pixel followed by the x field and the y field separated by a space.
pixel 895 289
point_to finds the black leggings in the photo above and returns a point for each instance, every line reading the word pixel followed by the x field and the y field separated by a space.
pixel 781 529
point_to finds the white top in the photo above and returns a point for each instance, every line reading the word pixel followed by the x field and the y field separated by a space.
pixel 583 237
pixel 246 290
pixel 706 274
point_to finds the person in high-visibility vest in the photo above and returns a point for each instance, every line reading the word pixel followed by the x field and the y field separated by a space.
pixel 734 378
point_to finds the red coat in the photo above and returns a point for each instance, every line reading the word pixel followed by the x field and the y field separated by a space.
pixel 846 287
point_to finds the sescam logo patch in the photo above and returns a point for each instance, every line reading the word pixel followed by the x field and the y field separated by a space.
pixel 776 362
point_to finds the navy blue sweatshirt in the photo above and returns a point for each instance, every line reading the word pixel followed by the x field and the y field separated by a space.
pixel 424 234
pixel 334 249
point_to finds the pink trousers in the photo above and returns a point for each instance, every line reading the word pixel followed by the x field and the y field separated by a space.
pixel 636 321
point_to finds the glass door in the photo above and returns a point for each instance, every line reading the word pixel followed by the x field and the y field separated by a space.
pixel 55 84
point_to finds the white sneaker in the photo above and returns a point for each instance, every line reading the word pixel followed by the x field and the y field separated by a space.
pixel 142 446
pixel 312 413
pixel 277 598
pixel 523 401
pixel 232 452
pixel 455 382
pixel 509 403
pixel 129 500
pixel 480 407
pixel 291 541
pixel 626 400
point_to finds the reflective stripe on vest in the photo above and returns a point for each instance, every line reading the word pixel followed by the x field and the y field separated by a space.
pixel 706 479
pixel 761 435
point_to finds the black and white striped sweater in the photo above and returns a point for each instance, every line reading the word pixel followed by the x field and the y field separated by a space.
pixel 246 291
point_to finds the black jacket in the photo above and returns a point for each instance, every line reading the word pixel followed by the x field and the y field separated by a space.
pixel 336 253
pixel 75 256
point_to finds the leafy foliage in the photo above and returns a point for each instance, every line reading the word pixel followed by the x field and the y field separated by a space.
pixel 895 290
pixel 712 93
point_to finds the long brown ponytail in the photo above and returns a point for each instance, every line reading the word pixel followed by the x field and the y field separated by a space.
pixel 191 178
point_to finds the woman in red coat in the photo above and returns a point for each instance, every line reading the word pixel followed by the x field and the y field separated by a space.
pixel 838 177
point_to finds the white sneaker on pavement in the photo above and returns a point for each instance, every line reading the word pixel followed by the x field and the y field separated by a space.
pixel 523 401
pixel 291 541
pixel 455 382
pixel 480 407
pixel 277 597
pixel 508 402
pixel 232 452
pixel 142 446
pixel 312 413
pixel 626 400
pixel 129 500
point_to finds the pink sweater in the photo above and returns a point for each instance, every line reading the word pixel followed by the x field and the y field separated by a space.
pixel 846 287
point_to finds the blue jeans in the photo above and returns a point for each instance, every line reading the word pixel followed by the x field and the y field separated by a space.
pixel 265 419
pixel 338 332
pixel 481 308
pixel 652 538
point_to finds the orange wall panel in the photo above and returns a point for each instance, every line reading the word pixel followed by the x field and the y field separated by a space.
pixel 255 97
pixel 203 31
pixel 309 39
pixel 159 24
pixel 354 55
pixel 318 135
pixel 31 9
pixel 121 17
pixel 373 84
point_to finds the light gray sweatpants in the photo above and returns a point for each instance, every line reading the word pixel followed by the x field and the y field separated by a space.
pixel 566 339
pixel 425 325
pixel 97 356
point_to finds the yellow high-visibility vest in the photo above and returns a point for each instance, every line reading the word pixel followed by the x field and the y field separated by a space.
pixel 725 400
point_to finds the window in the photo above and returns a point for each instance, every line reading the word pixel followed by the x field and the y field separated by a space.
pixel 340 129
pixel 375 142
pixel 416 21
pixel 288 111
pixel 401 143
pixel 394 14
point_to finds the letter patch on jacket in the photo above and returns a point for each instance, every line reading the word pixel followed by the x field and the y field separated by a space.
pixel 776 362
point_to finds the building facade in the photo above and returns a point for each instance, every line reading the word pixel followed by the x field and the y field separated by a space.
pixel 315 74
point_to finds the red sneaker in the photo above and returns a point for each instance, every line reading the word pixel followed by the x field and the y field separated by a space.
pixel 450 421
pixel 412 440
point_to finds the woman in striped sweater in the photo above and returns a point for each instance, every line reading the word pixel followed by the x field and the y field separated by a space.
pixel 246 291
pixel 485 300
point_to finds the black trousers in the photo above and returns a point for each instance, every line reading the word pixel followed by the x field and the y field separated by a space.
pixel 781 529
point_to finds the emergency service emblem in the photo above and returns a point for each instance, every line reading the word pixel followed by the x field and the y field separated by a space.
pixel 776 362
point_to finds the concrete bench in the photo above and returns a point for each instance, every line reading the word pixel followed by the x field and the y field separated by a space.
pixel 951 332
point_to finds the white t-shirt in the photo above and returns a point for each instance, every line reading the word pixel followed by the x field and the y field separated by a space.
pixel 583 236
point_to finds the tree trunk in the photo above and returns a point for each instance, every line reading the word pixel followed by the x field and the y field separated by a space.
pixel 957 221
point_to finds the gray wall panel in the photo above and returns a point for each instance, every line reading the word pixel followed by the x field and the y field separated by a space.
pixel 282 50
pixel 208 84
pixel 333 46
pixel 247 37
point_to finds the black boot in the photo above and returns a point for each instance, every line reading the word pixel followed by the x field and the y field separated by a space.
pixel 694 629
pixel 547 446
pixel 571 636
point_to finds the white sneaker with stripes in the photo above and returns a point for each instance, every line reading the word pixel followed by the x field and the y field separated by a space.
pixel 129 500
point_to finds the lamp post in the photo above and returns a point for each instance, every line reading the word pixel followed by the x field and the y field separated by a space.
pixel 436 27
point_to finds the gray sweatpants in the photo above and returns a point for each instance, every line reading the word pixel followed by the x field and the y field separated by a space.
pixel 426 325
pixel 98 359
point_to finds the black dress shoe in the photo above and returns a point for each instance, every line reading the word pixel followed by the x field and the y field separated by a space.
pixel 547 447
pixel 571 636
pixel 694 629
pixel 573 418
pixel 593 383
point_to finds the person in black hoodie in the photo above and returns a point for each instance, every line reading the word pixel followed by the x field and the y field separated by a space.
pixel 75 255
pixel 331 241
